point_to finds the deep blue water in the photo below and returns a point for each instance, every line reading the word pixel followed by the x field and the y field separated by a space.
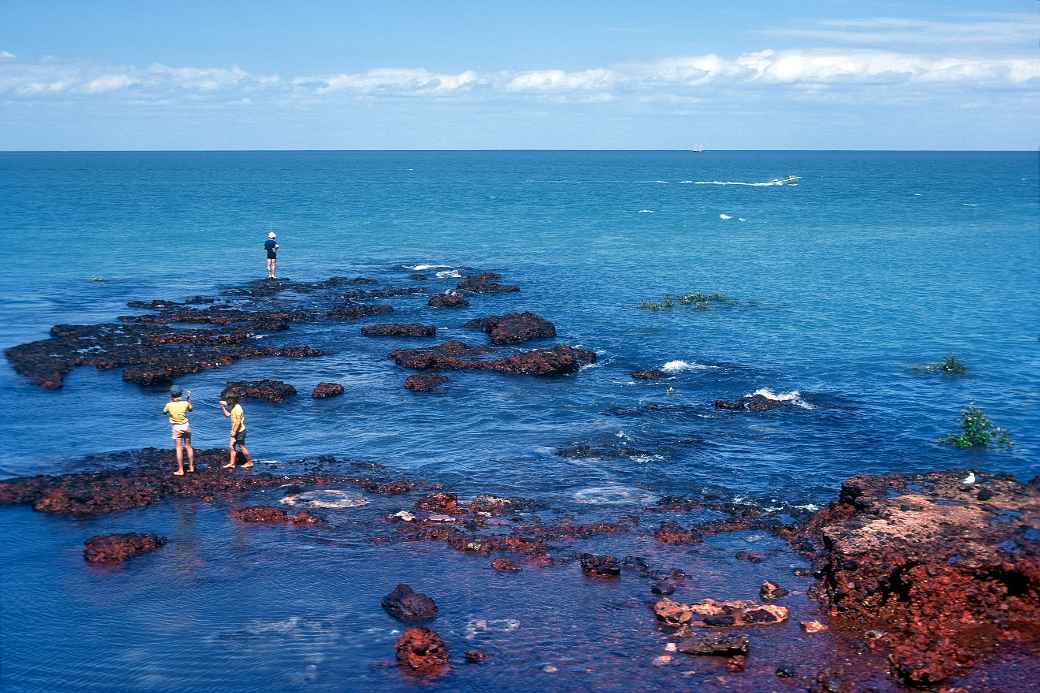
pixel 873 263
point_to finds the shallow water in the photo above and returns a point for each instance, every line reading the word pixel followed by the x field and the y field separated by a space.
pixel 871 264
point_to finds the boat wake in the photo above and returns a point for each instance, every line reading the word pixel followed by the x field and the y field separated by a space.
pixel 772 182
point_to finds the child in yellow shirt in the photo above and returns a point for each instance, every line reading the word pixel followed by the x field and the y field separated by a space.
pixel 238 432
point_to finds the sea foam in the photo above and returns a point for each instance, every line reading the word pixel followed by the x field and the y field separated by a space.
pixel 678 366
pixel 772 182
pixel 794 397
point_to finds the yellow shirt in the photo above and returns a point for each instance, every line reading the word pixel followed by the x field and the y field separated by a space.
pixel 238 419
pixel 177 411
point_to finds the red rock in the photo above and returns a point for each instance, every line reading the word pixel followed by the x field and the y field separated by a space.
pixel 422 651
pixel 504 565
pixel 116 548
pixel 440 502
pixel 812 627
pixel 514 328
pixel 405 604
pixel 327 390
pixel 475 656
pixel 265 514
pixel 266 390
pixel 770 591
pixel 673 533
pixel 399 330
pixel 922 559
pixel 424 382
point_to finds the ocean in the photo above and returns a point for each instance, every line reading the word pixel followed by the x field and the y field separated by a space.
pixel 839 283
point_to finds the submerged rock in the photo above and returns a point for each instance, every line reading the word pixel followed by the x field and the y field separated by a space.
pixel 514 328
pixel 486 283
pixel 266 514
pixel 600 566
pixel 399 330
pixel 422 651
pixel 116 548
pixel 770 591
pixel 424 382
pixel 267 390
pixel 327 390
pixel 504 565
pixel 948 577
pixel 409 606
pixel 717 644
pixel 450 299
pixel 353 311
pixel 750 403
pixel 653 374
pixel 475 656
pixel 440 502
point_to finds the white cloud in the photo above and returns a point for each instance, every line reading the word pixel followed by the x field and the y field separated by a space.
pixel 560 80
pixel 35 88
pixel 7 55
pixel 390 81
pixel 107 83
pixel 1006 29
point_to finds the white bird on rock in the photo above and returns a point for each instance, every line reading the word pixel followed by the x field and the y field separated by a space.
pixel 969 480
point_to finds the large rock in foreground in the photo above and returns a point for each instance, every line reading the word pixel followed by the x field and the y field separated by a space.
pixel 945 572
pixel 420 650
pixel 116 548
pixel 405 604
pixel 514 328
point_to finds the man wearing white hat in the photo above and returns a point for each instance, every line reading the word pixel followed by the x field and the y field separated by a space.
pixel 271 246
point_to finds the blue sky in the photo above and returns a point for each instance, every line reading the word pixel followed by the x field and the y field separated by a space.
pixel 460 75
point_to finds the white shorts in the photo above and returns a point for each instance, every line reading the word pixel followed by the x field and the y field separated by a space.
pixel 178 430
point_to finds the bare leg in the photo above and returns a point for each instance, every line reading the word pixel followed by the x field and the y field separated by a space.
pixel 247 456
pixel 191 452
pixel 180 458
pixel 231 461
pixel 274 269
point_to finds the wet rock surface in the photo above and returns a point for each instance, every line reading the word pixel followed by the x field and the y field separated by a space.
pixel 265 514
pixel 116 548
pixel 146 478
pixel 486 283
pixel 750 403
pixel 399 330
pixel 947 578
pixel 450 299
pixel 422 651
pixel 652 374
pixel 559 360
pixel 600 566
pixel 514 328
pixel 504 565
pixel 716 644
pixel 712 613
pixel 409 606
pixel 327 390
pixel 151 350
pixel 266 390
pixel 424 382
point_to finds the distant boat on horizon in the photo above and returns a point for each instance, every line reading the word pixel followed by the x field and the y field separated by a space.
pixel 699 149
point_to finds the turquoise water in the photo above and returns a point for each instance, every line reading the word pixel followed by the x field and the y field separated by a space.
pixel 871 264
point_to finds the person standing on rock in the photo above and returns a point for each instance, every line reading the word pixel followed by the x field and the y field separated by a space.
pixel 177 410
pixel 237 443
pixel 271 246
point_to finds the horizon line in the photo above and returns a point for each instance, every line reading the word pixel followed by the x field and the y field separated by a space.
pixel 495 149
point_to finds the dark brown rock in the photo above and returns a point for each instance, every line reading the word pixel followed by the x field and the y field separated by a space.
pixel 485 283
pixel 750 403
pixel 600 566
pixel 116 548
pixel 770 591
pixel 267 390
pixel 514 328
pixel 715 644
pixel 652 374
pixel 475 656
pixel 409 606
pixel 399 330
pixel 450 299
pixel 424 382
pixel 440 502
pixel 327 390
pixel 421 651
pixel 266 514
pixel 353 311
pixel 559 360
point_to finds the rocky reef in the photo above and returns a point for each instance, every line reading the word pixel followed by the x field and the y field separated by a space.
pixel 116 548
pixel 514 328
pixel 326 390
pixel 265 390
pixel 268 515
pixel 424 382
pixel 558 360
pixel 399 330
pixel 936 572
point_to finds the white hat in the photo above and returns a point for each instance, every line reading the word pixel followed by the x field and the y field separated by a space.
pixel 270 234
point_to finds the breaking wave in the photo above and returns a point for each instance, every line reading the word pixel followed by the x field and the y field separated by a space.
pixel 678 366
pixel 794 397
pixel 772 182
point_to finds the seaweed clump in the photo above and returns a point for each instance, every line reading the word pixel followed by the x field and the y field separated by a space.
pixel 948 366
pixel 977 431
pixel 698 300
